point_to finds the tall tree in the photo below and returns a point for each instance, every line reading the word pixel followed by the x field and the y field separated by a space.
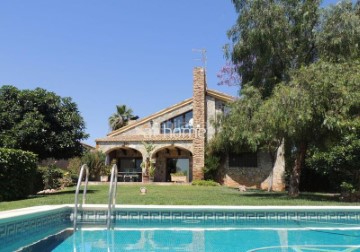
pixel 305 103
pixel 338 38
pixel 323 103
pixel 121 117
pixel 272 37
pixel 41 122
pixel 320 100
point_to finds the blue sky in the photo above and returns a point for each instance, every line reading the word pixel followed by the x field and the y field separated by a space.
pixel 104 53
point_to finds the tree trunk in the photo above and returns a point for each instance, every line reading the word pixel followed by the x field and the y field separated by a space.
pixel 296 171
pixel 273 155
pixel 271 177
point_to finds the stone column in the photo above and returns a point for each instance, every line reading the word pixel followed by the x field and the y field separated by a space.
pixel 199 114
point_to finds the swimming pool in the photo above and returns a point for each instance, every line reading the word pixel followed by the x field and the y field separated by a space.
pixel 164 228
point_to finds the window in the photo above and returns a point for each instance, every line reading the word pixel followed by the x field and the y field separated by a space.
pixel 179 124
pixel 174 165
pixel 246 159
pixel 130 165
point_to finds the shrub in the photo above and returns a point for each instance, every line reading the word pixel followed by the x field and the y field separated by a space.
pixel 17 173
pixel 96 162
pixel 347 187
pixel 348 192
pixel 74 166
pixel 66 180
pixel 105 170
pixel 212 163
pixel 204 183
pixel 74 178
pixel 178 174
pixel 52 176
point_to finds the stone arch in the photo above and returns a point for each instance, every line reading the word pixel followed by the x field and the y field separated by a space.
pixel 172 147
pixel 172 158
pixel 128 161
pixel 118 147
pixel 123 151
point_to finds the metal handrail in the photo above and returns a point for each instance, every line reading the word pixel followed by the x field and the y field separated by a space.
pixel 112 194
pixel 77 205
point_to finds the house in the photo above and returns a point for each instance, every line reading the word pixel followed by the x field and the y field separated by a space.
pixel 179 135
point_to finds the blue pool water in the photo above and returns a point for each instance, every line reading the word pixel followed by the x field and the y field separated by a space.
pixel 185 229
pixel 252 234
pixel 201 239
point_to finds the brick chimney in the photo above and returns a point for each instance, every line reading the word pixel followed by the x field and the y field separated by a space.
pixel 199 114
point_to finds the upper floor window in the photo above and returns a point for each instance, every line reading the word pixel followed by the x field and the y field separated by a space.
pixel 180 124
pixel 246 159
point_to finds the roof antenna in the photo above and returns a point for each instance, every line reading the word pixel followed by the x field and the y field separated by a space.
pixel 203 56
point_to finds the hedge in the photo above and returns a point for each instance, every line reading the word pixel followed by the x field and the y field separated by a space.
pixel 17 174
pixel 204 183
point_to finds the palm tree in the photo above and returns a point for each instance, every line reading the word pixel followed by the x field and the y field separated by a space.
pixel 121 117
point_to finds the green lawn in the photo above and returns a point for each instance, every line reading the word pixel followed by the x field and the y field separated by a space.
pixel 177 195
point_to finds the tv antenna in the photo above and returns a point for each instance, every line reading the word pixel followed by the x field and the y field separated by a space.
pixel 203 58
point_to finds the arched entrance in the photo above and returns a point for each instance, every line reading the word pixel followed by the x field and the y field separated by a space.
pixel 172 159
pixel 128 161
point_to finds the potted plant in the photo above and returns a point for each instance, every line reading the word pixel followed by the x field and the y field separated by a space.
pixel 104 173
pixel 145 171
pixel 178 177
pixel 148 168
pixel 152 171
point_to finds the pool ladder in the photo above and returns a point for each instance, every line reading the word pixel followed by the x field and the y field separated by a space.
pixel 112 194
pixel 84 168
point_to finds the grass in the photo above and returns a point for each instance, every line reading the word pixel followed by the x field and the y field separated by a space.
pixel 178 195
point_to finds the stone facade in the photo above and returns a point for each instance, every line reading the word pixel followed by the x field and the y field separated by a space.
pixel 206 106
pixel 251 177
pixel 109 147
pixel 152 127
pixel 265 176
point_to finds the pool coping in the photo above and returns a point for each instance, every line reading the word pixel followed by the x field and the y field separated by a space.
pixel 31 210
pixel 17 224
pixel 47 208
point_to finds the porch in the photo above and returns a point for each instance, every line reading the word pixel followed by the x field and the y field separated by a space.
pixel 166 159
